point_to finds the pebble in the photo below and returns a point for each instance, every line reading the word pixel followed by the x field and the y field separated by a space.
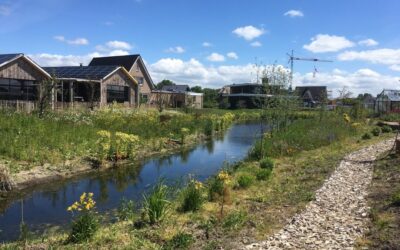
pixel 339 213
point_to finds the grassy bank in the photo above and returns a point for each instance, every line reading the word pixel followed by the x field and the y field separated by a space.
pixel 384 200
pixel 59 137
pixel 248 201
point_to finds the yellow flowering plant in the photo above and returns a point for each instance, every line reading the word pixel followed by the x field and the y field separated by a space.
pixel 85 203
pixel 346 118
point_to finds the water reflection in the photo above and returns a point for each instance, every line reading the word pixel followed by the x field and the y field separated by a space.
pixel 47 204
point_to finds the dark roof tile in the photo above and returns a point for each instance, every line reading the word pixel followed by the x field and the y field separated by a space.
pixel 124 61
pixel 7 57
pixel 81 72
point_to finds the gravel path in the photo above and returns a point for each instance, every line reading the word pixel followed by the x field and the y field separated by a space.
pixel 338 215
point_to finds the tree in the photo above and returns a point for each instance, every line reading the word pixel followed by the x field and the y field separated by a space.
pixel 344 93
pixel 196 89
pixel 163 83
pixel 161 100
pixel 45 90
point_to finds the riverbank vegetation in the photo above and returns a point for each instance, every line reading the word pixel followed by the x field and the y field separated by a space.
pixel 244 202
pixel 384 200
pixel 104 135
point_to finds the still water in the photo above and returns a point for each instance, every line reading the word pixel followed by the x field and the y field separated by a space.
pixel 45 206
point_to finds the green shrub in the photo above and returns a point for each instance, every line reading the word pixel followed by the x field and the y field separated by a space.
pixel 263 174
pixel 245 180
pixel 126 210
pixel 84 227
pixel 267 163
pixel 234 220
pixel 192 197
pixel 179 241
pixel 366 136
pixel 156 204
pixel 215 188
pixel 209 128
pixel 386 129
pixel 376 131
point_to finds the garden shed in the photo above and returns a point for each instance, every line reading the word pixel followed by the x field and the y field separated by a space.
pixel 388 101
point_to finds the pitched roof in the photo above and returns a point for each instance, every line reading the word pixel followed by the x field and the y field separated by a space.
pixel 81 72
pixel 124 61
pixel 392 94
pixel 176 88
pixel 315 93
pixel 4 58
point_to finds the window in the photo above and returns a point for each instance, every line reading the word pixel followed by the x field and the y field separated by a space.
pixel 14 89
pixel 144 98
pixel 116 93
pixel 140 80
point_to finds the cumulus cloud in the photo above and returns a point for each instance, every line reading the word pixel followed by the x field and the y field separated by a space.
pixel 76 41
pixel 395 67
pixel 177 50
pixel 118 45
pixel 256 44
pixel 248 32
pixel 232 55
pixel 215 57
pixel 207 44
pixel 361 81
pixel 380 56
pixel 294 13
pixel 328 43
pixel 46 59
pixel 368 42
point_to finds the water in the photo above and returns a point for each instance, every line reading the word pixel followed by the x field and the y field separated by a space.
pixel 45 206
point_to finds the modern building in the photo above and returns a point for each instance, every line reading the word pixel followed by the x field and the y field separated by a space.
pixel 388 101
pixel 134 64
pixel 243 95
pixel 93 86
pixel 20 77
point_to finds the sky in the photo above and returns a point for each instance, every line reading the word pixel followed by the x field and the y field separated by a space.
pixel 213 43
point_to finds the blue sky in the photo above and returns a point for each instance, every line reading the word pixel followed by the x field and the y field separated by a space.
pixel 213 43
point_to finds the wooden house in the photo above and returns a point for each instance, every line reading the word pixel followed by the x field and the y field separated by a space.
pixel 177 96
pixel 137 69
pixel 92 86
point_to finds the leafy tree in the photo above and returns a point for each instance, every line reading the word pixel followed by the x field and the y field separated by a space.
pixel 196 89
pixel 163 83
pixel 210 98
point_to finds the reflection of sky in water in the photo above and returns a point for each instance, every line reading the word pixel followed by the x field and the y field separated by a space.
pixel 47 205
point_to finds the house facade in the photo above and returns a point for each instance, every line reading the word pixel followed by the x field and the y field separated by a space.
pixel 312 96
pixel 20 77
pixel 93 86
pixel 134 64
pixel 243 95
pixel 177 96
pixel 388 101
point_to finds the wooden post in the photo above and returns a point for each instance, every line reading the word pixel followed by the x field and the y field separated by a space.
pixel 71 93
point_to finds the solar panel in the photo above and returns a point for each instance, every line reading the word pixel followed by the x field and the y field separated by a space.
pixel 7 57
pixel 82 72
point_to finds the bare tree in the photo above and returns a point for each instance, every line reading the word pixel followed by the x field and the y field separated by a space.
pixel 161 100
pixel 344 93
pixel 45 91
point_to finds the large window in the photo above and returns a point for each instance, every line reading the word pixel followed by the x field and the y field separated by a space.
pixel 13 89
pixel 116 93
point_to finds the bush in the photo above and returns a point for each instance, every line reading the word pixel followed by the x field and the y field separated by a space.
pixel 126 210
pixel 245 180
pixel 263 174
pixel 376 131
pixel 192 197
pixel 179 241
pixel 86 224
pixel 366 136
pixel 386 129
pixel 156 204
pixel 215 188
pixel 234 220
pixel 267 163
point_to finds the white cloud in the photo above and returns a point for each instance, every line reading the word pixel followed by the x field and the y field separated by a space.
pixel 328 43
pixel 118 45
pixel 368 42
pixel 76 41
pixel 380 56
pixel 5 10
pixel 177 50
pixel 45 59
pixel 395 67
pixel 215 57
pixel 232 55
pixel 207 44
pixel 361 81
pixel 248 32
pixel 256 44
pixel 294 13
